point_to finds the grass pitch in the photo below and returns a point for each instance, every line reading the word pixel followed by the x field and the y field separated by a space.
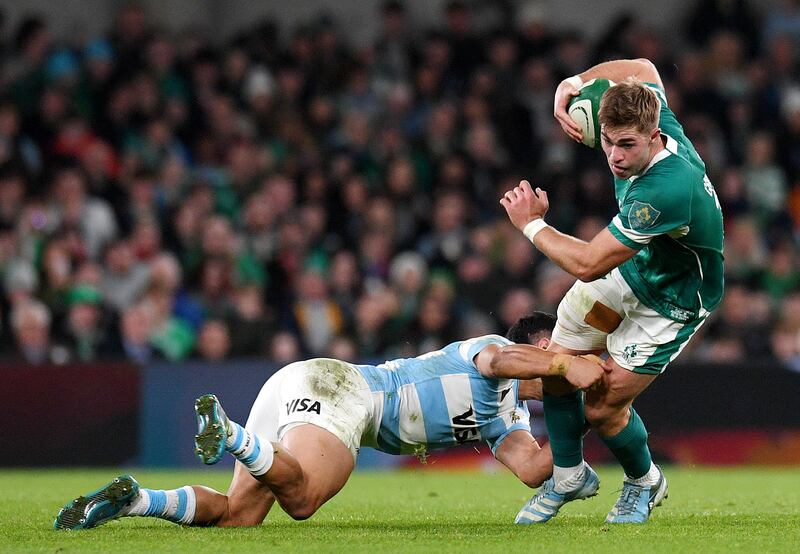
pixel 709 510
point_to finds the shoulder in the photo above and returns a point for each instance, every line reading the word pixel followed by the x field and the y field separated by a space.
pixel 674 173
pixel 660 197
pixel 667 187
pixel 469 348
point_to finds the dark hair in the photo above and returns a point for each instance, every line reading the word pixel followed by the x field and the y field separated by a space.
pixel 530 328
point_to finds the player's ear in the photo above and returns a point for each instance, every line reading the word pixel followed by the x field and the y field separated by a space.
pixel 655 134
pixel 542 343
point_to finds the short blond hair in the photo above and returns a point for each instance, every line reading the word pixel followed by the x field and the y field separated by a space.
pixel 631 103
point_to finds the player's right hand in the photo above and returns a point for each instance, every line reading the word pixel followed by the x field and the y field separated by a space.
pixel 564 93
pixel 584 373
pixel 523 204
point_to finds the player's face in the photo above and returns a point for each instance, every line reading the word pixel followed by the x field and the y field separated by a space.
pixel 628 151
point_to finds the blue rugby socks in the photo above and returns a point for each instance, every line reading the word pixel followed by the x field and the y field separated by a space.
pixel 245 446
pixel 177 505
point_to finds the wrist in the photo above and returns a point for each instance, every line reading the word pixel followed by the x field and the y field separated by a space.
pixel 575 81
pixel 533 227
pixel 559 365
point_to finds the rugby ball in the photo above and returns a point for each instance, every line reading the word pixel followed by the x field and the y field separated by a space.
pixel 584 107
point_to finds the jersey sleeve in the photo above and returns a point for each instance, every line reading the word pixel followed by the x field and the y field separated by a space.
pixel 468 349
pixel 652 207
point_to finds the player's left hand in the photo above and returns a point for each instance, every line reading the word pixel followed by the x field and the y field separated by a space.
pixel 523 204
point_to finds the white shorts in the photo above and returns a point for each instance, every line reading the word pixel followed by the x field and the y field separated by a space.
pixel 324 392
pixel 605 314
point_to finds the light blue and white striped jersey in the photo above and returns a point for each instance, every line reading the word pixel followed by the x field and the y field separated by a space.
pixel 440 399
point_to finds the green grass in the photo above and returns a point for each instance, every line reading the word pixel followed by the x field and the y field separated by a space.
pixel 709 510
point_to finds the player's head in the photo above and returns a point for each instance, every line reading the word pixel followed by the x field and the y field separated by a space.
pixel 534 329
pixel 629 132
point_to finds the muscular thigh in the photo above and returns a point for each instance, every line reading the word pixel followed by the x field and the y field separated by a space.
pixel 607 408
pixel 326 461
pixel 587 314
pixel 619 387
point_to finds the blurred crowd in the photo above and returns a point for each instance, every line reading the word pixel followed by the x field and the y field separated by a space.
pixel 285 194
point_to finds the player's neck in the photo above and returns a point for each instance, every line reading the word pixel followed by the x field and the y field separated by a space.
pixel 656 147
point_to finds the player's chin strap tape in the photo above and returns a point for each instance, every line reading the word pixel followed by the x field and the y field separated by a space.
pixel 533 227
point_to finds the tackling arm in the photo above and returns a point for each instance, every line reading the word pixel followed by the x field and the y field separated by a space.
pixel 523 361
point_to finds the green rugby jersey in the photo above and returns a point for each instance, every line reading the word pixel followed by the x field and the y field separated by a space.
pixel 671 214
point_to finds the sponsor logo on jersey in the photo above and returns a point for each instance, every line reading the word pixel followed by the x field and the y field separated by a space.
pixel 642 215
pixel 303 405
pixel 466 427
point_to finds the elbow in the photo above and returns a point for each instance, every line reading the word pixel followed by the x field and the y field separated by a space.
pixel 494 366
pixel 646 65
pixel 589 272
pixel 590 276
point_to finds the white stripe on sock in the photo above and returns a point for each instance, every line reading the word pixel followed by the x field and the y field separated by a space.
pixel 257 455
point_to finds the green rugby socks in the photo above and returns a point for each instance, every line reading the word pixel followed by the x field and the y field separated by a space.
pixel 564 418
pixel 630 447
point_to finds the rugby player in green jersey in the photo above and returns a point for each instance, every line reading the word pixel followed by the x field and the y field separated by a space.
pixel 646 284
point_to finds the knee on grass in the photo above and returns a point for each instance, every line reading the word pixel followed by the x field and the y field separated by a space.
pixel 301 510
pixel 302 506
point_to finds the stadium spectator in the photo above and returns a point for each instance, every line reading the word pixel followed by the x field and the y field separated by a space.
pixel 284 348
pixel 250 325
pixel 319 318
pixel 785 344
pixel 214 341
pixel 394 49
pixel 89 332
pixel 124 278
pixel 344 280
pixel 369 331
pixel 135 331
pixel 30 325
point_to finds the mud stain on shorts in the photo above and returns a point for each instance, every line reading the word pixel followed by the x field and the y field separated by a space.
pixel 330 378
